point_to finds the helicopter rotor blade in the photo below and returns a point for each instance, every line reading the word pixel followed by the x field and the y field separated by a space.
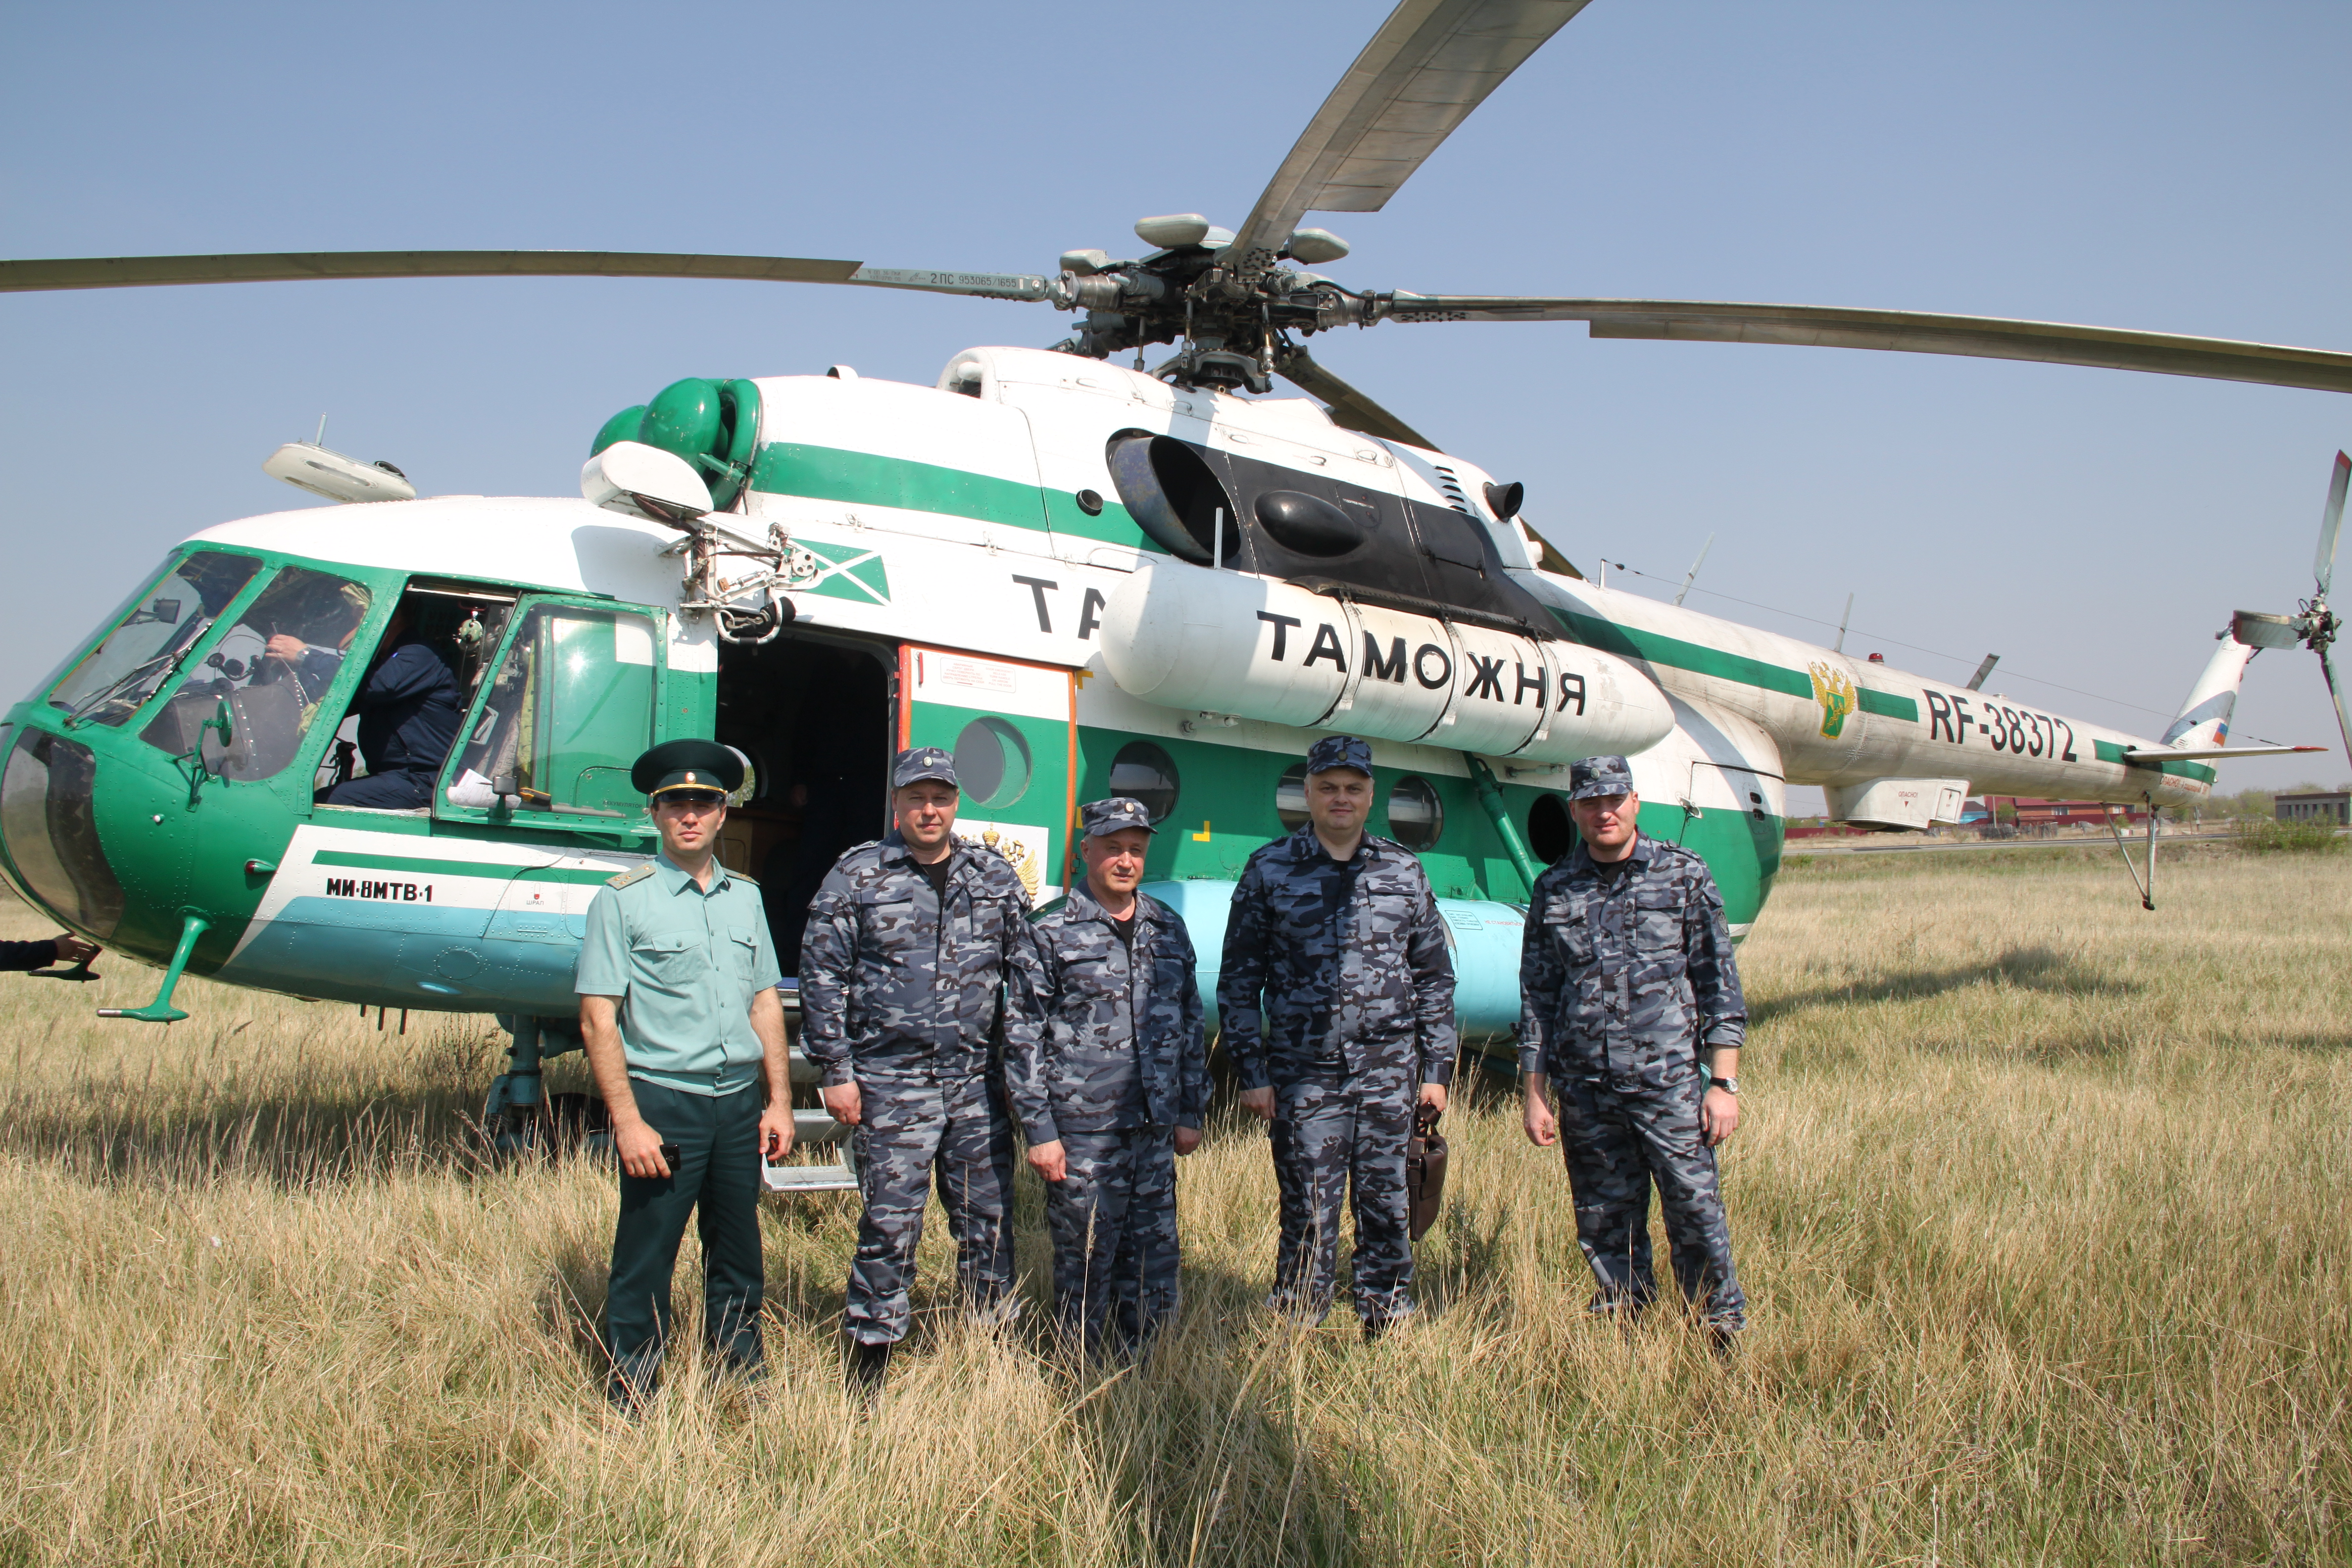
pixel 1349 407
pixel 2336 691
pixel 2331 524
pixel 1908 332
pixel 2260 628
pixel 146 271
pixel 1429 65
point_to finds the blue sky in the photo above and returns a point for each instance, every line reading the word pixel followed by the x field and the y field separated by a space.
pixel 2168 167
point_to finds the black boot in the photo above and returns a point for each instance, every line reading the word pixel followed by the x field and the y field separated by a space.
pixel 865 1368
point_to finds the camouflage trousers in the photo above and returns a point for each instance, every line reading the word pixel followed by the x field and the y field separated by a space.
pixel 1113 1218
pixel 1621 1133
pixel 907 1130
pixel 1334 1131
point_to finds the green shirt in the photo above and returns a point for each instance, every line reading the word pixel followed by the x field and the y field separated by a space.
pixel 686 963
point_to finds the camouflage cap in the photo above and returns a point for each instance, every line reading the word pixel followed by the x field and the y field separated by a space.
pixel 1102 817
pixel 1596 776
pixel 1339 751
pixel 919 763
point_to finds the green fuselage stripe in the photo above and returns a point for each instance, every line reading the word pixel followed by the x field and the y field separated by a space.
pixel 831 473
pixel 1656 647
pixel 496 869
pixel 1890 705
pixel 2109 752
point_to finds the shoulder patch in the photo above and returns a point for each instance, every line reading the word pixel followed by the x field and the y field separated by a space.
pixel 635 874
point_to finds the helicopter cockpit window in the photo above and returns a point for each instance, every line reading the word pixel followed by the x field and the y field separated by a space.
pixel 564 719
pixel 46 795
pixel 151 634
pixel 271 669
pixel 1168 489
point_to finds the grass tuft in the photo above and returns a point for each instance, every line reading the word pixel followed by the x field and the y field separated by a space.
pixel 2039 1203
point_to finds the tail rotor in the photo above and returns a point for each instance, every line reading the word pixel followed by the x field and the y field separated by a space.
pixel 2313 625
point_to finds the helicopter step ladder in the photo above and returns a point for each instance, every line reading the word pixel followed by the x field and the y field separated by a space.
pixel 811 1127
pixel 516 1113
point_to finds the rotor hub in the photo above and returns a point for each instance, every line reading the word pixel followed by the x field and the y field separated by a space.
pixel 1232 324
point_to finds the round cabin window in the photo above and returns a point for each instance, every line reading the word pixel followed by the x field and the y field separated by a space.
pixel 993 762
pixel 1290 798
pixel 1416 818
pixel 1550 834
pixel 1146 773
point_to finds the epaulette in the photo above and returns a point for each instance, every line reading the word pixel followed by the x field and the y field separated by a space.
pixel 746 880
pixel 635 874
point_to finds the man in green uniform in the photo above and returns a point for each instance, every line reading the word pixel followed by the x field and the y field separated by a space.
pixel 677 1000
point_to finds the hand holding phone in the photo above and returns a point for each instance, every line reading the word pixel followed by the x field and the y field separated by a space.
pixel 655 1163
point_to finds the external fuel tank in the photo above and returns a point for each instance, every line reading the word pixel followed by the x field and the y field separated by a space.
pixel 1256 648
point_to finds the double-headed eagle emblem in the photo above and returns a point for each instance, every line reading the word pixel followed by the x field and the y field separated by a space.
pixel 1833 689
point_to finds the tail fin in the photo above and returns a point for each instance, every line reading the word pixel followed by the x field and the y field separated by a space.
pixel 2205 717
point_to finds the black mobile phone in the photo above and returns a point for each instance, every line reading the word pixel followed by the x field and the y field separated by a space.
pixel 671 1155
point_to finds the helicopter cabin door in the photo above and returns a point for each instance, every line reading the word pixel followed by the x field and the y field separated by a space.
pixel 1011 727
pixel 570 704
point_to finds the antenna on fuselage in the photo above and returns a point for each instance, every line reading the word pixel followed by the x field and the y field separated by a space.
pixel 1844 621
pixel 1693 572
pixel 1976 681
pixel 320 439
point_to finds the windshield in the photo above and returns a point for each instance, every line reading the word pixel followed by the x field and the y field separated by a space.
pixel 271 669
pixel 115 678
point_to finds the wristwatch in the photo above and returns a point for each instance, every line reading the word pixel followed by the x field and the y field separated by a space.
pixel 1730 1086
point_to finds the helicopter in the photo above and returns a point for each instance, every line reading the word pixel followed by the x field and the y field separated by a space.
pixel 1081 572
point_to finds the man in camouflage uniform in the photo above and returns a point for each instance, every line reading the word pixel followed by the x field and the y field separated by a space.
pixel 907 944
pixel 1627 980
pixel 1336 996
pixel 1110 1078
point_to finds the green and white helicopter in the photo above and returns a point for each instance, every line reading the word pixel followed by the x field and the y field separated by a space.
pixel 1083 578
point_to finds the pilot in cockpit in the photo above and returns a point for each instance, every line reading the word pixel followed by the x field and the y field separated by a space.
pixel 408 711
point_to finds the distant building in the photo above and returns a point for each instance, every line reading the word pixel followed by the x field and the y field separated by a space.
pixel 2319 806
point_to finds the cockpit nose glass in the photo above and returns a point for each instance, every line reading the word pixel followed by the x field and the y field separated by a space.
pixel 151 634
pixel 46 817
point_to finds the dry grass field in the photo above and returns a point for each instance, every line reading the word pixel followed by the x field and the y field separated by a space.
pixel 2040 1203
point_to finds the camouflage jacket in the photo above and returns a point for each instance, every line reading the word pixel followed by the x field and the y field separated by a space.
pixel 1105 1040
pixel 897 982
pixel 1613 978
pixel 1320 974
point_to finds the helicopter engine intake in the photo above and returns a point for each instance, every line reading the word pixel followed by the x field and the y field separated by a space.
pixel 1257 648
